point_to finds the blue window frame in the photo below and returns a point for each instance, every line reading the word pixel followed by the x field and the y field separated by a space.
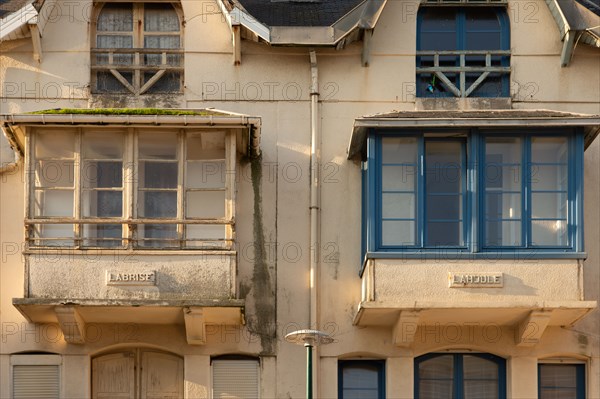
pixel 454 30
pixel 561 381
pixel 361 379
pixel 460 376
pixel 474 192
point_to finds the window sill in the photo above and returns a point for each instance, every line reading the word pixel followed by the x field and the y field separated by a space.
pixel 124 252
pixel 453 254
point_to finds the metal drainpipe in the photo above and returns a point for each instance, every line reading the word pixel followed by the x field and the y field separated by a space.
pixel 315 144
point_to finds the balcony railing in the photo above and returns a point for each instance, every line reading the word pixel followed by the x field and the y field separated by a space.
pixel 129 237
pixel 138 70
pixel 464 65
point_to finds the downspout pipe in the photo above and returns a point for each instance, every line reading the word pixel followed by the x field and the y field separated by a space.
pixel 315 194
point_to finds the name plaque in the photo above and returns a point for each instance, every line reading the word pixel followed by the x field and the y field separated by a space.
pixel 475 280
pixel 124 278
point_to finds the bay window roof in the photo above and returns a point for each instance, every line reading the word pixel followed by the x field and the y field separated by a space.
pixel 457 119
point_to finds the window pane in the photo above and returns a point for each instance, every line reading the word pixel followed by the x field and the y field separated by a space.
pixel 560 381
pixel 106 82
pixel 105 235
pixel 115 42
pixel 549 205
pixel 161 42
pixel 168 83
pixel 102 174
pixel 549 177
pixel 201 235
pixel 208 174
pixel 439 367
pixel 51 173
pixel 54 232
pixel 549 150
pixel 55 144
pixel 431 389
pixel 53 203
pixel 158 146
pixel 398 232
pixel 402 150
pixel 503 206
pixel 401 178
pixel 443 186
pixel 157 174
pixel 205 204
pixel 206 146
pixel 116 17
pixel 102 145
pixel 549 232
pixel 398 205
pixel 475 367
pixel 102 203
pixel 503 233
pixel 160 18
pixel 481 389
pixel 360 380
pixel 154 234
pixel 157 204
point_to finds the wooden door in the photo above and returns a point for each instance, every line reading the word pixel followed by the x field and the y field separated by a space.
pixel 113 376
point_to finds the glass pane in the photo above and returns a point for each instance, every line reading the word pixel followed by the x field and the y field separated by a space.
pixel 475 367
pixel 116 17
pixel 549 205
pixel 360 381
pixel 438 29
pixel 206 146
pixel 108 235
pixel 168 83
pixel 153 233
pixel 503 233
pixel 53 203
pixel 502 150
pixel 105 174
pixel 400 178
pixel 204 232
pixel 55 144
pixel 116 42
pixel 157 204
pixel 106 82
pixel 444 207
pixel 502 206
pixel 205 204
pixel 443 167
pixel 481 19
pixel 549 177
pixel 401 150
pixel 201 174
pixel 558 375
pixel 398 205
pixel 481 389
pixel 558 393
pixel 160 18
pixel 398 232
pixel 432 389
pixel 502 177
pixel 158 145
pixel 54 232
pixel 483 40
pixel 157 174
pixel 549 232
pixel 444 234
pixel 50 173
pixel 102 203
pixel 102 145
pixel 439 367
pixel 161 42
pixel 549 150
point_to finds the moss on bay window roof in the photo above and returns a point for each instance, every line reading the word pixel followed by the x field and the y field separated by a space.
pixel 126 111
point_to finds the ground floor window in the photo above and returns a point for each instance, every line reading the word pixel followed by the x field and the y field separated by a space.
pixel 561 381
pixel 361 379
pixel 460 376
pixel 235 377
pixel 35 376
pixel 137 374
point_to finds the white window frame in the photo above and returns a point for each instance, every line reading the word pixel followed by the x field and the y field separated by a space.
pixel 130 220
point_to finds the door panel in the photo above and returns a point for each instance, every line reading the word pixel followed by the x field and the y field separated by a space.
pixel 113 376
pixel 161 375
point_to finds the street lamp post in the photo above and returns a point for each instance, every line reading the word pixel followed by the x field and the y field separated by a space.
pixel 309 338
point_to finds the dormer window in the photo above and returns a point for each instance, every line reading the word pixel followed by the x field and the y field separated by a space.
pixel 463 52
pixel 137 49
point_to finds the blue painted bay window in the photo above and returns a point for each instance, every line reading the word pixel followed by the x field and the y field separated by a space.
pixel 474 191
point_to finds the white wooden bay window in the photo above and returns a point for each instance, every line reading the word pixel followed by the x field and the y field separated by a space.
pixel 131 188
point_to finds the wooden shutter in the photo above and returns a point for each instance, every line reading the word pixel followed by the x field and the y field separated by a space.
pixel 235 379
pixel 162 375
pixel 35 382
pixel 113 376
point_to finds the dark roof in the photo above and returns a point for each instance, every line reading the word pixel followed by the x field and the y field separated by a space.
pixel 10 6
pixel 298 12
pixel 592 5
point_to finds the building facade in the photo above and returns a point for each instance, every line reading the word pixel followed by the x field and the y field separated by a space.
pixel 185 183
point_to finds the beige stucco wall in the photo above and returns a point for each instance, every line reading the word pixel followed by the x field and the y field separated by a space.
pixel 274 251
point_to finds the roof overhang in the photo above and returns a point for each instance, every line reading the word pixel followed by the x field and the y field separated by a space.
pixel 345 30
pixel 467 119
pixel 250 126
pixel 576 24
pixel 406 318
pixel 75 315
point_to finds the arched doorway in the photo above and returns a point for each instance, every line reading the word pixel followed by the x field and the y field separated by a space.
pixel 137 373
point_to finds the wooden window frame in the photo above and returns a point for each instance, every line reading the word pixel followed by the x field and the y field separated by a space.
pixel 130 219
pixel 138 51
